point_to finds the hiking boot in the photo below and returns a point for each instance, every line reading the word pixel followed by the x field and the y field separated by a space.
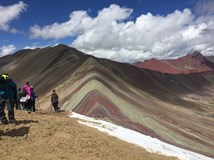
pixel 3 122
pixel 12 121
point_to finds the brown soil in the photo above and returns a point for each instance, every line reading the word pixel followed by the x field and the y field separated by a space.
pixel 52 136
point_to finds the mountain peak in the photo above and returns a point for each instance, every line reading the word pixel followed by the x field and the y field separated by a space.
pixel 197 54
pixel 61 45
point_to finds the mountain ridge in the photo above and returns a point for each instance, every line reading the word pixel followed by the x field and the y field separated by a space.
pixel 167 106
pixel 190 63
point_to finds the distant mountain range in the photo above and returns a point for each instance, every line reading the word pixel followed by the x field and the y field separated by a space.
pixel 176 108
pixel 190 63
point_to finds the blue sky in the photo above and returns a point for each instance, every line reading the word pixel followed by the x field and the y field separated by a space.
pixel 121 30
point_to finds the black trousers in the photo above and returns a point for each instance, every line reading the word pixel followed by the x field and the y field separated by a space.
pixel 33 102
pixel 10 107
pixel 55 105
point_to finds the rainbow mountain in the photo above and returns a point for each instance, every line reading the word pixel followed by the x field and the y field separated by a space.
pixel 175 108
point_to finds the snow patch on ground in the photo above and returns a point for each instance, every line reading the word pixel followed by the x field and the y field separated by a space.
pixel 150 144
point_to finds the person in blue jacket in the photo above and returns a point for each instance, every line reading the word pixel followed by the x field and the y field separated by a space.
pixel 8 94
pixel 33 98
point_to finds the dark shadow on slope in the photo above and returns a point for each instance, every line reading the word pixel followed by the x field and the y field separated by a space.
pixel 55 59
pixel 26 122
pixel 172 99
pixel 20 132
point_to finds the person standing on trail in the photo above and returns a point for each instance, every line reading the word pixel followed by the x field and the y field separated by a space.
pixel 26 88
pixel 17 100
pixel 19 96
pixel 8 94
pixel 33 98
pixel 55 100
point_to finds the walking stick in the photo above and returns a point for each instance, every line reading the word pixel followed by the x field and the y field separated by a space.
pixel 38 104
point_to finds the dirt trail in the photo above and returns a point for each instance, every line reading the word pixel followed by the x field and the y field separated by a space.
pixel 51 136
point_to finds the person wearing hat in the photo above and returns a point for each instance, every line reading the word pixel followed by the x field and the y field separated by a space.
pixel 8 94
pixel 33 98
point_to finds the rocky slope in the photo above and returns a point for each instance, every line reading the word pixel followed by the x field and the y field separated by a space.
pixel 50 136
pixel 177 109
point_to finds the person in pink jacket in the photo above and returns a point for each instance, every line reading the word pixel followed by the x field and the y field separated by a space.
pixel 26 87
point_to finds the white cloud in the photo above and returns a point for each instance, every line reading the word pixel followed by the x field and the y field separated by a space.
pixel 9 13
pixel 32 47
pixel 204 7
pixel 79 22
pixel 5 50
pixel 113 35
pixel 35 45
pixel 57 31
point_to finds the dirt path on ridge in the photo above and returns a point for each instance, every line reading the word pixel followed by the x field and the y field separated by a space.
pixel 51 136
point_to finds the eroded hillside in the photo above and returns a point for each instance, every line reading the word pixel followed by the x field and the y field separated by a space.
pixel 177 109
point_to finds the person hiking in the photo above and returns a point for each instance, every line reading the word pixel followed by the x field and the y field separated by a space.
pixel 55 100
pixel 26 88
pixel 33 98
pixel 24 97
pixel 17 102
pixel 8 94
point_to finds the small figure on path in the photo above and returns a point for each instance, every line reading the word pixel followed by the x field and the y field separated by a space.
pixel 55 100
